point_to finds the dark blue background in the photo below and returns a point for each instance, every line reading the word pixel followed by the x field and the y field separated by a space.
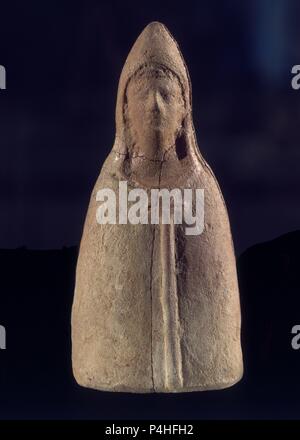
pixel 63 61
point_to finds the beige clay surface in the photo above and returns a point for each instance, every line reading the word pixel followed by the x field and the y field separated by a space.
pixel 155 309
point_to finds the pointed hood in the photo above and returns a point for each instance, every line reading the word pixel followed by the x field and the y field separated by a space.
pixel 154 46
pixel 156 309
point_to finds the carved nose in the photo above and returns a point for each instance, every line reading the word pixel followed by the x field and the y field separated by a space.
pixel 155 104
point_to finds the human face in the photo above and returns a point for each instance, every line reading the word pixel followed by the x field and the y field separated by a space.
pixel 155 110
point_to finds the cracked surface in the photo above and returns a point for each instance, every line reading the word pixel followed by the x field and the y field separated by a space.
pixel 156 310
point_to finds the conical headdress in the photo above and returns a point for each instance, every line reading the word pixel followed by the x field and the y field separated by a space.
pixel 154 47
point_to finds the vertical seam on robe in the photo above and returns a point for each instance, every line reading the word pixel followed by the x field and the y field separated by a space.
pixel 151 308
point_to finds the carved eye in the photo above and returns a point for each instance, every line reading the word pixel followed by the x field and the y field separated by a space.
pixel 165 95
